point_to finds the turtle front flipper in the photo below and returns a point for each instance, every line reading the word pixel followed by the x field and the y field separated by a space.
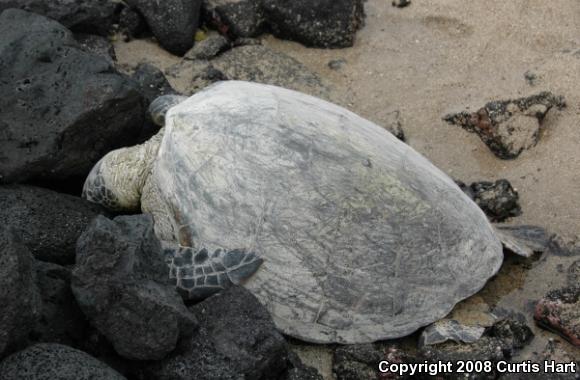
pixel 199 274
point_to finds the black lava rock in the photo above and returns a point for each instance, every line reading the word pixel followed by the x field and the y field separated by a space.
pixel 152 82
pixel 485 349
pixel 61 320
pixel 83 16
pixel 19 295
pixel 357 362
pixel 173 22
pixel 97 45
pixel 298 371
pixel 499 342
pixel 514 335
pixel 62 108
pixel 323 23
pixel 55 362
pixel 499 200
pixel 48 223
pixel 236 340
pixel 131 23
pixel 509 127
pixel 361 361
pixel 235 18
pixel 122 285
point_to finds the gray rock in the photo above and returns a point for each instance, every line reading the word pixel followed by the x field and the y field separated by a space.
pixel 173 22
pixel 97 45
pixel 61 107
pixel 19 295
pixel 509 127
pixel 209 48
pixel 122 285
pixel 84 16
pixel 236 340
pixel 55 362
pixel 323 23
pixel 61 320
pixel 256 63
pixel 48 223
pixel 236 18
pixel 448 329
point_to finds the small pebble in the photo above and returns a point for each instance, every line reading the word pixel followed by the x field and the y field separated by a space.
pixel 401 3
pixel 336 64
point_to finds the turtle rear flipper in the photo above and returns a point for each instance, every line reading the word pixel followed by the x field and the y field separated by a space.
pixel 199 274
pixel 523 240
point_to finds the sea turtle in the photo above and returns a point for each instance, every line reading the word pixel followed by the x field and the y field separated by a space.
pixel 359 237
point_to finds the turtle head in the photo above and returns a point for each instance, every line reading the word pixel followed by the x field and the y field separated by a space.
pixel 159 107
pixel 111 187
pixel 117 180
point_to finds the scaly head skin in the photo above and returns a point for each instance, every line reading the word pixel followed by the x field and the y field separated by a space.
pixel 116 181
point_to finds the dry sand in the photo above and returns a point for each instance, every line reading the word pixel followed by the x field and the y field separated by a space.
pixel 439 56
